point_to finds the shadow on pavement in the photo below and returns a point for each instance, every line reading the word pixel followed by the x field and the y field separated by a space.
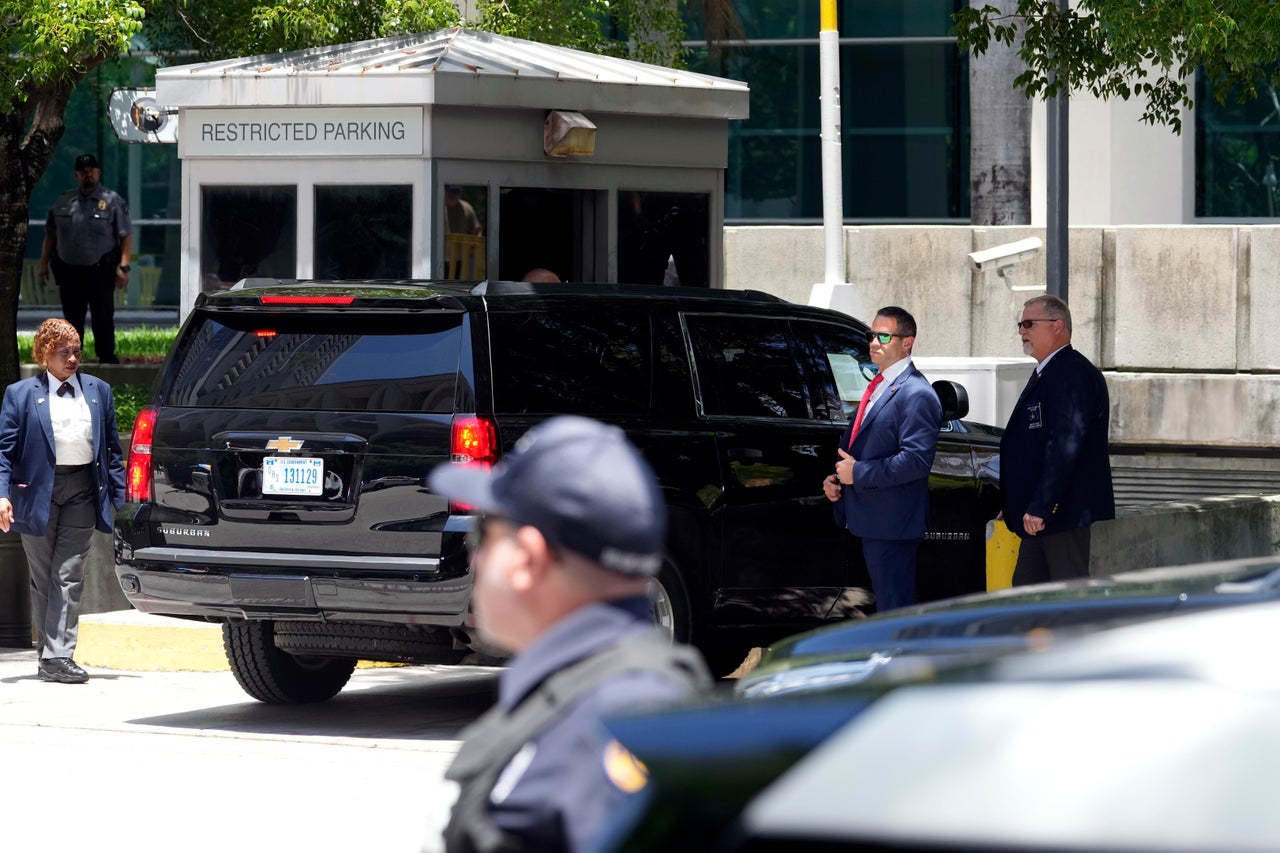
pixel 418 703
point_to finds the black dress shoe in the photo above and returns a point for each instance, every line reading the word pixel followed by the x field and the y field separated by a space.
pixel 62 671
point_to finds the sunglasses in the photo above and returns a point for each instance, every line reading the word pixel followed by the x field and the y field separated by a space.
pixel 1024 325
pixel 883 337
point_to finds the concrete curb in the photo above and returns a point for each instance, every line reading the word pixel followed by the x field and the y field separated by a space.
pixel 143 642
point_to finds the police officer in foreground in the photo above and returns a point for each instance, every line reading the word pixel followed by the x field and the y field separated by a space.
pixel 573 528
pixel 88 240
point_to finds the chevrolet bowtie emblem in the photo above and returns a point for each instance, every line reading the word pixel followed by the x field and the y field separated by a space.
pixel 284 444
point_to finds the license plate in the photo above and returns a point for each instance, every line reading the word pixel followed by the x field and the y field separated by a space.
pixel 292 475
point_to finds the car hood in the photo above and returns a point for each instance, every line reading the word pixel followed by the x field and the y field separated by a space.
pixel 990 624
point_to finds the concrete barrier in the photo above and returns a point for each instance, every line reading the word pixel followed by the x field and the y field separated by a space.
pixel 1182 532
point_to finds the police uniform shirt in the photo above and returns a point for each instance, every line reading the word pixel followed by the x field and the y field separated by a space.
pixel 72 423
pixel 88 226
pixel 557 792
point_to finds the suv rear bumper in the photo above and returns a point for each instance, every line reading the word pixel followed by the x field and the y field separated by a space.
pixel 273 586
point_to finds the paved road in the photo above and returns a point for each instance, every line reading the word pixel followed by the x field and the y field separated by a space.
pixel 166 761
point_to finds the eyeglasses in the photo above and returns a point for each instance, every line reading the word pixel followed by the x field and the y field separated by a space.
pixel 1025 325
pixel 67 352
pixel 883 337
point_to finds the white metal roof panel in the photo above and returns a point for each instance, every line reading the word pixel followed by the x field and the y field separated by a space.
pixel 457 67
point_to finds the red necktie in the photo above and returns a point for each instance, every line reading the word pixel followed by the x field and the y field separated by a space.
pixel 862 405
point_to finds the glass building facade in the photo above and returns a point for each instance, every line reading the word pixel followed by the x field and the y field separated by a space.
pixel 904 112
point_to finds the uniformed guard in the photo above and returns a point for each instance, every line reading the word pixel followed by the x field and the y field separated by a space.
pixel 574 527
pixel 88 240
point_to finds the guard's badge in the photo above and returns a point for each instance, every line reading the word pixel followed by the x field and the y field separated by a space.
pixel 102 205
pixel 1034 419
pixel 625 771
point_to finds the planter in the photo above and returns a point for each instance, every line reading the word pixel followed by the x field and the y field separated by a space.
pixel 15 594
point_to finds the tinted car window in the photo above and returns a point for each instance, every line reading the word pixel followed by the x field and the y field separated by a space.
pixel 557 363
pixel 375 364
pixel 747 367
pixel 840 361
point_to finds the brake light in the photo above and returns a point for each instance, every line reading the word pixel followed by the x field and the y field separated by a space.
pixel 137 478
pixel 474 441
pixel 306 300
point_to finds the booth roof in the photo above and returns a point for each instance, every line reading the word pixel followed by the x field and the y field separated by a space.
pixel 454 67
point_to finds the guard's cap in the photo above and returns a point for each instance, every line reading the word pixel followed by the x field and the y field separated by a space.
pixel 581 483
pixel 87 161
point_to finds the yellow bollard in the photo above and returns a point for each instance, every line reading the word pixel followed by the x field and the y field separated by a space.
pixel 1002 555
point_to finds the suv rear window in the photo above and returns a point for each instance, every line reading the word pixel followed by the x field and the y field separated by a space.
pixel 323 361
pixel 558 363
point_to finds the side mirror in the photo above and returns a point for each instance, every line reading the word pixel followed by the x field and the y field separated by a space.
pixel 954 399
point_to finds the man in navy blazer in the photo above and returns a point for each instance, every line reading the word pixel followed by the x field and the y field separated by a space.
pixel 881 485
pixel 1055 468
pixel 61 473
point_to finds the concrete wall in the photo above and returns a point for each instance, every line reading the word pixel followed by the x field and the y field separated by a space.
pixel 1181 318
pixel 1181 533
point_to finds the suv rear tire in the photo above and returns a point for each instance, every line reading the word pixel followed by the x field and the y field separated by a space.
pixel 270 675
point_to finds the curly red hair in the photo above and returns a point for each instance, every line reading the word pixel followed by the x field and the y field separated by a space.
pixel 53 333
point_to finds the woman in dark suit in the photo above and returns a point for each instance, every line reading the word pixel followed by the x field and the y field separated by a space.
pixel 61 473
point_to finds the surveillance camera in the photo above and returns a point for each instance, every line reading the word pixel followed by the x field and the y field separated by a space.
pixel 1004 255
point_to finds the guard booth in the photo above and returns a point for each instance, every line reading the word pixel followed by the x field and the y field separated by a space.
pixel 455 154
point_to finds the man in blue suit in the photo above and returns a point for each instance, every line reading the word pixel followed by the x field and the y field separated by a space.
pixel 881 485
pixel 1055 467
pixel 61 473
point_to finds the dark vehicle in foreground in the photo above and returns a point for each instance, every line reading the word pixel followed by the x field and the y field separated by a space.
pixel 1162 736
pixel 277 479
pixel 908 641
pixel 709 762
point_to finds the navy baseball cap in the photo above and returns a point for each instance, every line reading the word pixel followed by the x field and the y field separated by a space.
pixel 581 483
pixel 86 161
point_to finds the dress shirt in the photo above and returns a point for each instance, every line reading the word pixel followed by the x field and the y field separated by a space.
pixel 72 423
pixel 891 373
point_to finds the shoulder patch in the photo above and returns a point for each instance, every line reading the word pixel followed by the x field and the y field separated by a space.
pixel 627 773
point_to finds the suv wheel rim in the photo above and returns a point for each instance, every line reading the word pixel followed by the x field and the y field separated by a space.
pixel 660 607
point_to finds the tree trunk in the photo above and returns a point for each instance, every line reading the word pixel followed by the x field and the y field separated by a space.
pixel 999 135
pixel 29 133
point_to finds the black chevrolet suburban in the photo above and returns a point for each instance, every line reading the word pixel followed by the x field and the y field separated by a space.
pixel 276 481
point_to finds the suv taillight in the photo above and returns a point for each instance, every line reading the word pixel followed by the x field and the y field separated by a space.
pixel 474 441
pixel 137 478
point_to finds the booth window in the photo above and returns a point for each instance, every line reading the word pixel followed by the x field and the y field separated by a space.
pixel 363 231
pixel 465 210
pixel 247 232
pixel 662 238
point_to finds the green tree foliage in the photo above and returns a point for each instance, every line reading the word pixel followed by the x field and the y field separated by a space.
pixel 645 30
pixel 1134 48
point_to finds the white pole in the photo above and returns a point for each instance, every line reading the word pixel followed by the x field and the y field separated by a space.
pixel 834 291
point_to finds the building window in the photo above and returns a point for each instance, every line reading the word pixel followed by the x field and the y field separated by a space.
pixel 363 231
pixel 904 116
pixel 247 232
pixel 662 238
pixel 1237 155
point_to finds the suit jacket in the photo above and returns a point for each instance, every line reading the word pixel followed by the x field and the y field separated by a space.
pixel 27 454
pixel 889 498
pixel 1054 460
